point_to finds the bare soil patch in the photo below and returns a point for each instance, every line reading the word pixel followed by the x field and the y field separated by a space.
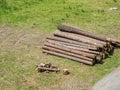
pixel 16 40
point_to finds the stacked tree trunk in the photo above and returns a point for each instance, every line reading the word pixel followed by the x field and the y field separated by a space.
pixel 78 45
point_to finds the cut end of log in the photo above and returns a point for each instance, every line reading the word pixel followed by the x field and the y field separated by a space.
pixel 66 72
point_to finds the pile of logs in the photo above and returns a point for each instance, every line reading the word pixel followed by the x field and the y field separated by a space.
pixel 78 45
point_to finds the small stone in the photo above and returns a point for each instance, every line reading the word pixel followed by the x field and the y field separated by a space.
pixel 114 8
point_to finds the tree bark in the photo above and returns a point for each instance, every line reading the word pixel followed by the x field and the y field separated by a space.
pixel 77 38
pixel 70 44
pixel 68 57
pixel 72 29
pixel 67 53
pixel 71 50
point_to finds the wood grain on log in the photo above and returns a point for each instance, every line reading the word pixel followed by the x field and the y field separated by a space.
pixel 85 54
pixel 68 57
pixel 70 41
pixel 76 38
pixel 72 29
pixel 67 53
pixel 70 44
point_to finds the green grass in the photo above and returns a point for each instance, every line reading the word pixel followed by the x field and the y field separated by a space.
pixel 46 14
pixel 17 72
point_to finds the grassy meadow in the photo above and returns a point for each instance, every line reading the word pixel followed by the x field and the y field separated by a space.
pixel 17 66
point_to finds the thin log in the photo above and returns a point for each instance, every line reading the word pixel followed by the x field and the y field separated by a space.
pixel 68 57
pixel 72 29
pixel 56 38
pixel 71 50
pixel 97 56
pixel 77 38
pixel 67 53
pixel 70 44
pixel 78 49
pixel 42 69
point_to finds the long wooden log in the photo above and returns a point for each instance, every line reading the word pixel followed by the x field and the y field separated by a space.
pixel 42 69
pixel 85 54
pixel 79 48
pixel 75 48
pixel 90 39
pixel 72 29
pixel 82 39
pixel 69 41
pixel 67 53
pixel 72 42
pixel 68 57
pixel 77 38
pixel 91 54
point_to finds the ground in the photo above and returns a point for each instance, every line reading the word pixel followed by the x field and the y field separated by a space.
pixel 110 82
pixel 22 50
pixel 25 24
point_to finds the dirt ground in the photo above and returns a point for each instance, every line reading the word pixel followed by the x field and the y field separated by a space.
pixel 26 46
pixel 15 40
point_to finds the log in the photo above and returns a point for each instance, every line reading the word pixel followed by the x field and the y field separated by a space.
pixel 69 49
pixel 67 53
pixel 70 44
pixel 68 57
pixel 85 54
pixel 71 41
pixel 43 69
pixel 72 29
pixel 78 49
pixel 66 72
pixel 77 38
